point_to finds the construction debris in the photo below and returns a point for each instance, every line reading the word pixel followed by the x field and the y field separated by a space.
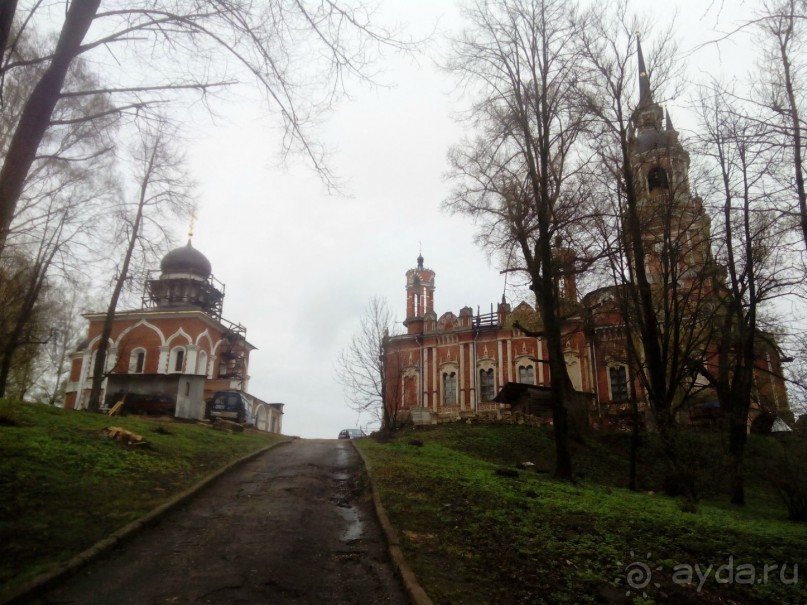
pixel 120 434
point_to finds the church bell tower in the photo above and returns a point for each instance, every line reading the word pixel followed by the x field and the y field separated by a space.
pixel 419 297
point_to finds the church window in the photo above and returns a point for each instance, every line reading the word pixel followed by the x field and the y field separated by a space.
pixel 618 376
pixel 657 179
pixel 487 385
pixel 202 366
pixel 574 370
pixel 410 390
pixel 526 374
pixel 177 363
pixel 137 361
pixel 91 366
pixel 450 388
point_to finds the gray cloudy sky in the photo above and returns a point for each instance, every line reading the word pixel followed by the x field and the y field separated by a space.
pixel 300 265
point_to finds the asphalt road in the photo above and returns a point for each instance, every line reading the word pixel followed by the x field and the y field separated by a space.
pixel 294 525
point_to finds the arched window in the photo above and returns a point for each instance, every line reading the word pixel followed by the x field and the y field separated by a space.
pixel 450 388
pixel 91 365
pixel 526 374
pixel 575 373
pixel 657 179
pixel 137 361
pixel 410 390
pixel 202 364
pixel 487 385
pixel 177 360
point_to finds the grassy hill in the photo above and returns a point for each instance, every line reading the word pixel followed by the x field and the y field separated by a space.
pixel 474 534
pixel 64 485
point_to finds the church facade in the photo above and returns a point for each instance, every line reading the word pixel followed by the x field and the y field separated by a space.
pixel 466 364
pixel 176 346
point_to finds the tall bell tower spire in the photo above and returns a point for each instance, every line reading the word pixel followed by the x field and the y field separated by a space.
pixel 645 96
pixel 661 165
pixel 419 296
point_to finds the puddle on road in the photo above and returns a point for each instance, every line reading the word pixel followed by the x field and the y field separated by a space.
pixel 355 526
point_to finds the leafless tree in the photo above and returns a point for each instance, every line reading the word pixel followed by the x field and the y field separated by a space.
pixel 660 311
pixel 38 253
pixel 161 49
pixel 774 96
pixel 57 207
pixel 163 189
pixel 63 304
pixel 782 90
pixel 758 251
pixel 517 61
pixel 371 377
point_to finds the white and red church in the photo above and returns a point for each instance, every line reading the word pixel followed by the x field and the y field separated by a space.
pixel 176 345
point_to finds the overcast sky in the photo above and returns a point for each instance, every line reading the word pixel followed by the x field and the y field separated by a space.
pixel 300 266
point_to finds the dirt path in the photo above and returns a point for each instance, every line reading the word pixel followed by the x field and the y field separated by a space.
pixel 291 526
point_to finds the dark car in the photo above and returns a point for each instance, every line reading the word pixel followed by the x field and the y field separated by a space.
pixel 351 434
pixel 137 403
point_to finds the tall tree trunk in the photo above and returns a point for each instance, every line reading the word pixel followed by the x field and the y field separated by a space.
pixel 659 394
pixel 738 435
pixel 635 441
pixel 795 124
pixel 560 388
pixel 560 385
pixel 7 10
pixel 36 115
pixel 94 402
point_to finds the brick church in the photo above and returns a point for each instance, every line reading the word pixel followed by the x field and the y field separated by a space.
pixel 177 345
pixel 457 365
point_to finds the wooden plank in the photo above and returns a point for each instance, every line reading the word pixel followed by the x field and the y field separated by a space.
pixel 115 409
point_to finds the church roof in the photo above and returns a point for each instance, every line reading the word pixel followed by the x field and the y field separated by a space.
pixel 186 259
pixel 645 97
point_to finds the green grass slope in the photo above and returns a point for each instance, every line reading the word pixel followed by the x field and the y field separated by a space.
pixel 475 536
pixel 64 485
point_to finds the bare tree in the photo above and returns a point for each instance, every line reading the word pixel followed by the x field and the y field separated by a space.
pixel 163 189
pixel 758 251
pixel 370 377
pixel 52 221
pixel 62 304
pixel 24 278
pixel 775 93
pixel 167 47
pixel 518 61
pixel 782 90
pixel 655 212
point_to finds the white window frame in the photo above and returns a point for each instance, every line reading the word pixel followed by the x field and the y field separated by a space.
pixel 627 380
pixel 133 360
pixel 172 360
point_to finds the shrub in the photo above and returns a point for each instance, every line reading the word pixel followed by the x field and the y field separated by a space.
pixel 790 483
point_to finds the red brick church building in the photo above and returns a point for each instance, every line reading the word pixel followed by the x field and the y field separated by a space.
pixel 176 345
pixel 457 365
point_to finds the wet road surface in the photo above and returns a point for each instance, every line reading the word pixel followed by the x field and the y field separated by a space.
pixel 294 525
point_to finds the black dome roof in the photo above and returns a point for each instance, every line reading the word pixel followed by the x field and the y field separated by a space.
pixel 186 260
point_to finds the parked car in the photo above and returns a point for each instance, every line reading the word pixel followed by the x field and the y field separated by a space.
pixel 351 434
pixel 138 403
pixel 231 405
